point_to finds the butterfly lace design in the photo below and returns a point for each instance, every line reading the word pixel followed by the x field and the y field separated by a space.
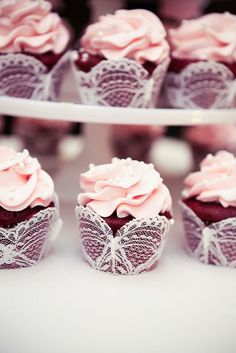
pixel 214 244
pixel 135 248
pixel 119 83
pixel 205 84
pixel 24 76
pixel 26 243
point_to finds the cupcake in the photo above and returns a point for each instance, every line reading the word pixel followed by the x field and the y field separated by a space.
pixel 124 215
pixel 135 140
pixel 34 131
pixel 209 210
pixel 32 43
pixel 42 138
pixel 29 217
pixel 203 65
pixel 122 60
pixel 206 139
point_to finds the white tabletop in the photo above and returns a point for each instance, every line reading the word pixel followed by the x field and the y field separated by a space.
pixel 62 305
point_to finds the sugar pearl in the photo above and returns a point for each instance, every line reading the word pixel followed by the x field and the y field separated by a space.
pixel 184 193
pixel 115 160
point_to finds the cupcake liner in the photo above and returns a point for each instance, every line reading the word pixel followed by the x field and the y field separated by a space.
pixel 214 244
pixel 119 83
pixel 24 76
pixel 135 248
pixel 204 84
pixel 26 243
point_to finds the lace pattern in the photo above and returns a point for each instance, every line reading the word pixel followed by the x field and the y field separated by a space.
pixel 119 83
pixel 24 76
pixel 135 248
pixel 214 244
pixel 204 84
pixel 26 243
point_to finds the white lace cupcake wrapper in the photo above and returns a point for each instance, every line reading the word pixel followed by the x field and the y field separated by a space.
pixel 24 76
pixel 26 243
pixel 121 83
pixel 135 248
pixel 214 244
pixel 204 84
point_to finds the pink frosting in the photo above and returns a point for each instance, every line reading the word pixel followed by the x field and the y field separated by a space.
pixel 210 37
pixel 126 186
pixel 199 135
pixel 29 26
pixel 216 180
pixel 136 34
pixel 22 181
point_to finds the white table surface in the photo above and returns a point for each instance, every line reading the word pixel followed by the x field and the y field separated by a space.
pixel 64 306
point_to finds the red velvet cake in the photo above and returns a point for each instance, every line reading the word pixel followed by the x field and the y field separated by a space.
pixel 85 62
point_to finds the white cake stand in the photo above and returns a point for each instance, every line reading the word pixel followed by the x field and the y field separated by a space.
pixel 113 115
pixel 62 305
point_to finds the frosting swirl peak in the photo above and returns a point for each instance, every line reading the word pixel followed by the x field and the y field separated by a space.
pixel 125 186
pixel 30 26
pixel 22 181
pixel 210 37
pixel 135 34
pixel 216 180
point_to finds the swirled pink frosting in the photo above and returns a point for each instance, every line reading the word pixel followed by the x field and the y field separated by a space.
pixel 22 181
pixel 199 135
pixel 125 186
pixel 135 34
pixel 216 180
pixel 30 26
pixel 210 37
